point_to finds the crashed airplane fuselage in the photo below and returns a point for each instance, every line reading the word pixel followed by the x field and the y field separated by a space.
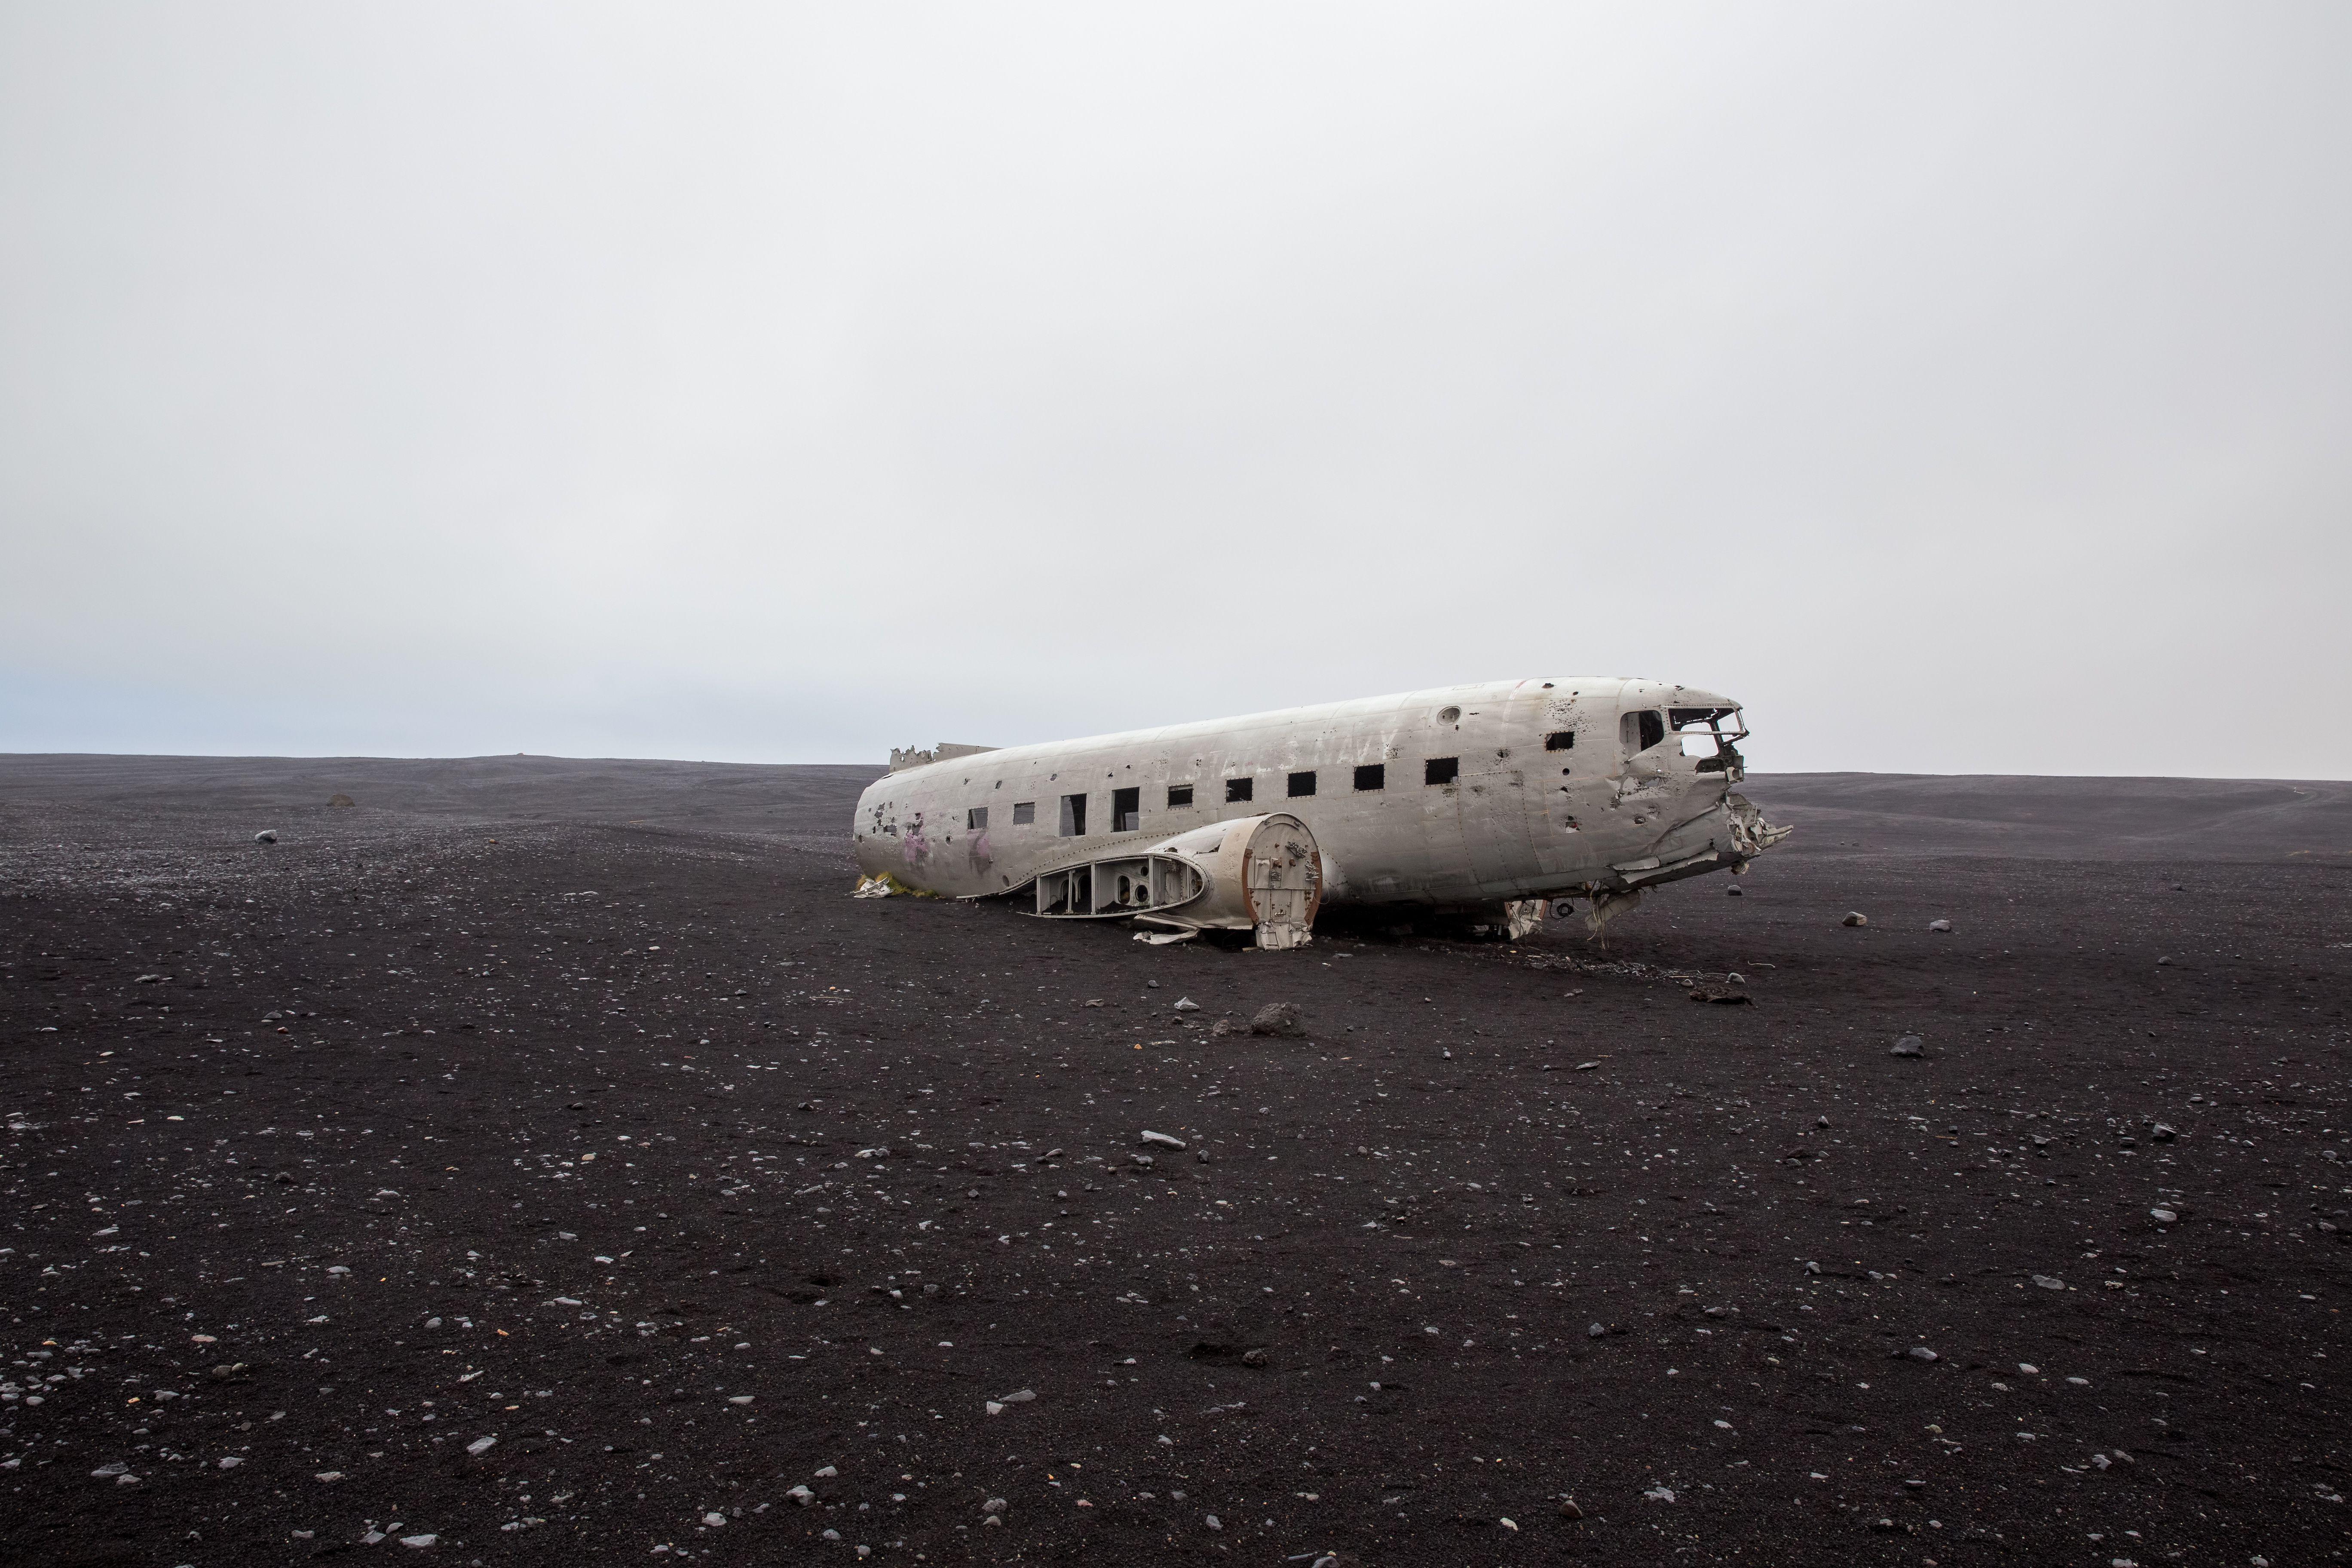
pixel 1461 798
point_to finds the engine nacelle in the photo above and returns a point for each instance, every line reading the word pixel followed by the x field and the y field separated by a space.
pixel 1263 874
pixel 1260 874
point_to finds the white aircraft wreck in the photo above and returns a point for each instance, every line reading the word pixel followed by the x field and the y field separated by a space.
pixel 1506 800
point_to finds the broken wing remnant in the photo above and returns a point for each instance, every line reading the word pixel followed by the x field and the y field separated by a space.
pixel 1504 799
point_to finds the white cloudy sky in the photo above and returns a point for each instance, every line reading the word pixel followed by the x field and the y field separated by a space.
pixel 1966 388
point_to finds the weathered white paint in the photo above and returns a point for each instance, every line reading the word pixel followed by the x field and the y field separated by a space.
pixel 1525 815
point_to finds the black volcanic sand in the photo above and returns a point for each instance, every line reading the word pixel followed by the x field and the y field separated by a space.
pixel 576 1107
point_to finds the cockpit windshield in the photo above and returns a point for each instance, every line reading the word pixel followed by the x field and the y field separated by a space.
pixel 1709 733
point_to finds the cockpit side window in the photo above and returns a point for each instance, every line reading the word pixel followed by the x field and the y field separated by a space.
pixel 1639 732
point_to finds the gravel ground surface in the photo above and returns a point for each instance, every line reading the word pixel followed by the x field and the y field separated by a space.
pixel 548 1162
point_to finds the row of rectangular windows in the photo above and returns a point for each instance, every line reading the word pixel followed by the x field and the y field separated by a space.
pixel 1127 804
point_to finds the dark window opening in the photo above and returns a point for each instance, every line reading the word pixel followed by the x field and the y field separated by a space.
pixel 1073 817
pixel 1440 770
pixel 1375 776
pixel 976 820
pixel 1024 811
pixel 1240 789
pixel 1179 794
pixel 1126 811
pixel 1560 740
pixel 1302 784
pixel 1639 732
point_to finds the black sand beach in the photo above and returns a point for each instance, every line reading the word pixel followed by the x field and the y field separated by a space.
pixel 551 1160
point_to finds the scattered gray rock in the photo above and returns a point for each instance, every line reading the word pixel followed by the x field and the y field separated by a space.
pixel 1186 1004
pixel 995 1505
pixel 1596 1331
pixel 481 1444
pixel 1280 1020
pixel 1909 1046
pixel 2050 1282
pixel 266 836
pixel 1254 1358
pixel 1660 1494
pixel 1855 918
pixel 1164 1141
pixel 1733 891
pixel 420 1541
pixel 1939 925
pixel 801 1495
pixel 826 1474
pixel 1568 1509
pixel 1921 1352
pixel 2163 1133
pixel 2165 1216
pixel 1213 1522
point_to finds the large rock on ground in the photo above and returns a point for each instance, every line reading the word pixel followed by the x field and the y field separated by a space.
pixel 1279 1019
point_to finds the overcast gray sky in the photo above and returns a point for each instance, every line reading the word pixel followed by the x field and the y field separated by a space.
pixel 1965 388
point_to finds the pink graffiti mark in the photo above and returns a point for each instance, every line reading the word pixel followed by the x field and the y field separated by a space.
pixel 918 848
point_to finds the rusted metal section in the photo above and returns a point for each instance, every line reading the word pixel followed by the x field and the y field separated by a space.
pixel 1524 793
